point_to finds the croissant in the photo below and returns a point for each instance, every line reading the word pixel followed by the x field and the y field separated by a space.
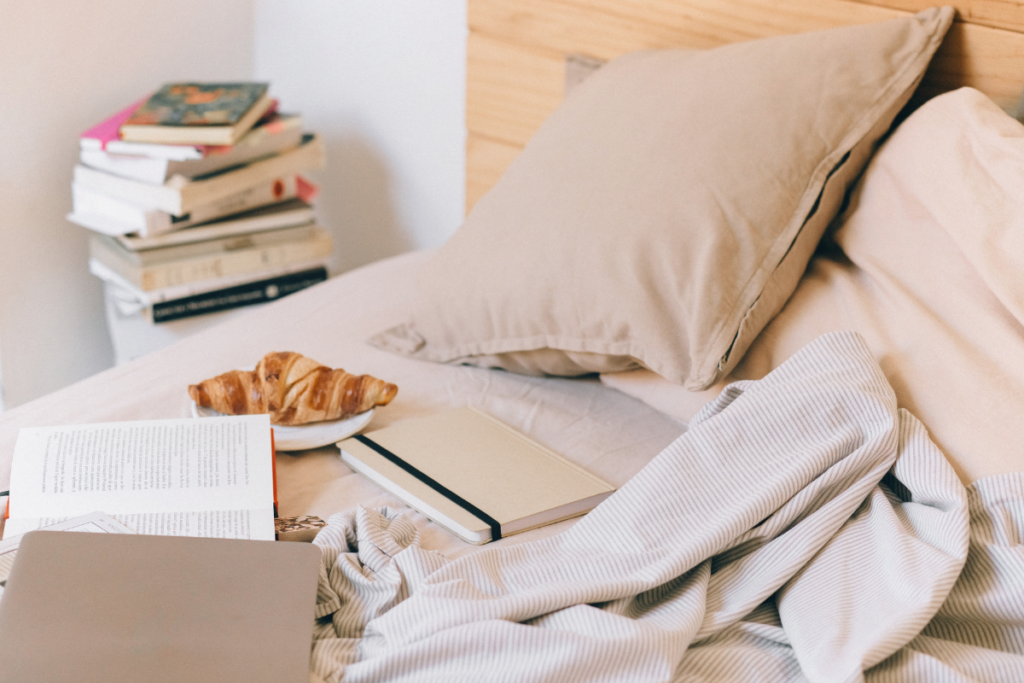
pixel 293 389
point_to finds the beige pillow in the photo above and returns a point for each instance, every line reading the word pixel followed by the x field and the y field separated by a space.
pixel 929 273
pixel 665 212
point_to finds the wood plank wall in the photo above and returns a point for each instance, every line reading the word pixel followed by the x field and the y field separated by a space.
pixel 517 49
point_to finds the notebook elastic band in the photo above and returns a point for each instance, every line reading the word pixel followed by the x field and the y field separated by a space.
pixel 436 485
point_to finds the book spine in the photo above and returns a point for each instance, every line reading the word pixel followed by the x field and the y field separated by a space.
pixel 264 141
pixel 105 131
pixel 102 251
pixel 108 215
pixel 131 293
pixel 179 196
pixel 221 245
pixel 274 137
pixel 105 250
pixel 257 292
pixel 261 193
pixel 288 215
pixel 222 265
pixel 309 155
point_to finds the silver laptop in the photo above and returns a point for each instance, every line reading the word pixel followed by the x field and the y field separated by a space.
pixel 112 607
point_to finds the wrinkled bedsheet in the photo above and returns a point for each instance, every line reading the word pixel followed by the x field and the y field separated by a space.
pixel 602 430
pixel 803 528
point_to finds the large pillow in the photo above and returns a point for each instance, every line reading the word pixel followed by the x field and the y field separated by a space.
pixel 927 268
pixel 665 212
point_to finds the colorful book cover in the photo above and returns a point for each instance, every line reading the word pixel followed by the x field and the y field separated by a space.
pixel 107 130
pixel 198 104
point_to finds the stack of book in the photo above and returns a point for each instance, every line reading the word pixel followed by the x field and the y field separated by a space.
pixel 196 202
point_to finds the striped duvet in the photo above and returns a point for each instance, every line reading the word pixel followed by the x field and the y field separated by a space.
pixel 803 528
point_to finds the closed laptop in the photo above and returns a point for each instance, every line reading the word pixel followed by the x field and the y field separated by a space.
pixel 112 607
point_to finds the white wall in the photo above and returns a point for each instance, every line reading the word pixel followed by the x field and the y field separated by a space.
pixel 64 66
pixel 383 81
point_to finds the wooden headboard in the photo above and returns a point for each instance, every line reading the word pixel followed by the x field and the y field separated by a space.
pixel 517 51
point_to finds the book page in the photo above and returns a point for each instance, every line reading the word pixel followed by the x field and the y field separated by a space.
pixel 250 524
pixel 145 467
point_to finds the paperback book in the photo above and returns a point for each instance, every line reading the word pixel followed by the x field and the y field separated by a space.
pixel 271 217
pixel 197 205
pixel 197 113
pixel 296 245
pixel 109 248
pixel 130 300
pixel 182 477
pixel 179 195
pixel 111 216
pixel 276 134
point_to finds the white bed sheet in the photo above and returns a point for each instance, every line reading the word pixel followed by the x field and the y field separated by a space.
pixel 605 431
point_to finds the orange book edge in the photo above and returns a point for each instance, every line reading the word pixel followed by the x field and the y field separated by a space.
pixel 273 460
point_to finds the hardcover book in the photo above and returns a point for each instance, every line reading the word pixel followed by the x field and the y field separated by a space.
pixel 198 113
pixel 474 475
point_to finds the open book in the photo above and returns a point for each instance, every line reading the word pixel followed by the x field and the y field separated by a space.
pixel 192 477
pixel 473 474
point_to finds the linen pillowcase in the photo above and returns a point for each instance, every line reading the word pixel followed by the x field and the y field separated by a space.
pixel 665 212
pixel 927 270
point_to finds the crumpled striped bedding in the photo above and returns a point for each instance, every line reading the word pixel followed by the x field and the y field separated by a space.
pixel 803 528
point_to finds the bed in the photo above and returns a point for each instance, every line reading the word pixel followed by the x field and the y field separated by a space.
pixel 825 482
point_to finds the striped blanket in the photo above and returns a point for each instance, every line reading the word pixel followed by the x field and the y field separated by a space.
pixel 803 528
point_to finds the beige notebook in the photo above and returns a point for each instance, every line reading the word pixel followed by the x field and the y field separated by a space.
pixel 474 475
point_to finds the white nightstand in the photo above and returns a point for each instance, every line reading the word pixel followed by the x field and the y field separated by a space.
pixel 134 336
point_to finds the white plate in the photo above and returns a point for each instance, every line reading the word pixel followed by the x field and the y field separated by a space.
pixel 304 437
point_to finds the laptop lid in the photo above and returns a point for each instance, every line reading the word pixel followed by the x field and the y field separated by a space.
pixel 111 607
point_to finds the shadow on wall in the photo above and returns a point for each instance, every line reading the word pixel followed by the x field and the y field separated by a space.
pixel 356 205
